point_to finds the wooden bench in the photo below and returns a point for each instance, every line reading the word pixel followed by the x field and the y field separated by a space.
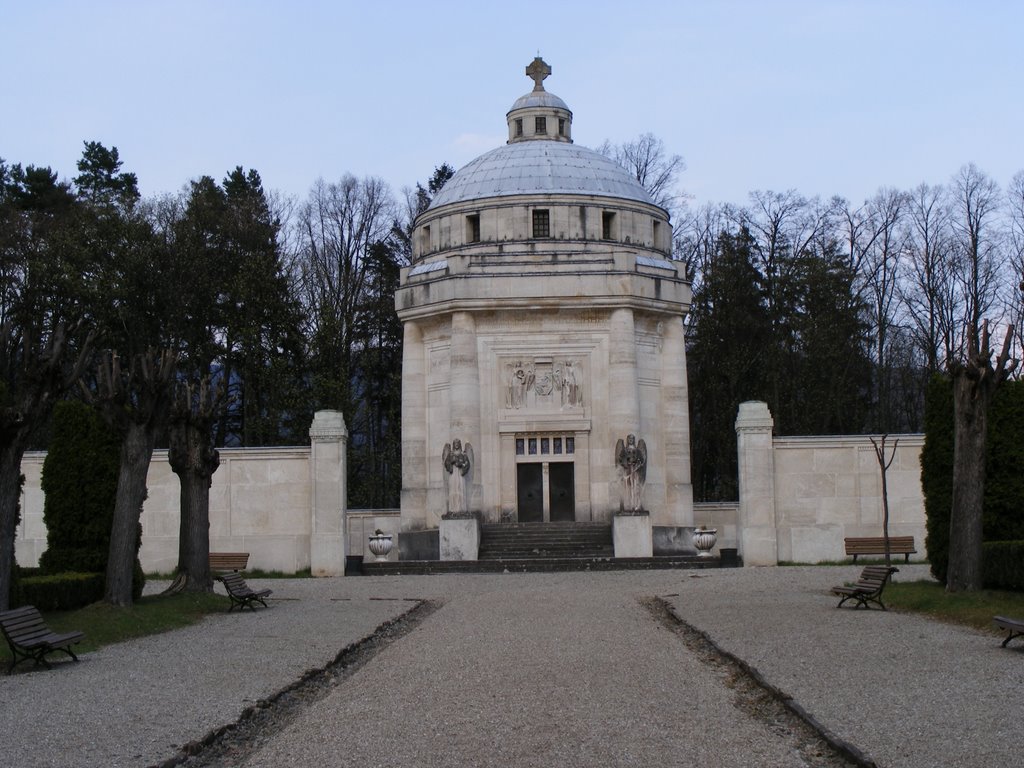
pixel 228 561
pixel 1014 626
pixel 30 638
pixel 240 593
pixel 868 588
pixel 875 545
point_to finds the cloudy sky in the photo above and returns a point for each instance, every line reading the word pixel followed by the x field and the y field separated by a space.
pixel 825 97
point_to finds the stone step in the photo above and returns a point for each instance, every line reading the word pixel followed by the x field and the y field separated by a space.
pixel 533 541
pixel 537 565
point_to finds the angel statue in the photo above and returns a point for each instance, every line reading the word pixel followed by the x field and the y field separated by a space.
pixel 458 464
pixel 631 459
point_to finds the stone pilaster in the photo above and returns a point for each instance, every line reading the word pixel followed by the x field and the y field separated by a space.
pixel 675 414
pixel 758 535
pixel 623 397
pixel 329 439
pixel 464 393
pixel 414 428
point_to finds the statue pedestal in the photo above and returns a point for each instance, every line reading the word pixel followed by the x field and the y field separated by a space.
pixel 632 535
pixel 460 538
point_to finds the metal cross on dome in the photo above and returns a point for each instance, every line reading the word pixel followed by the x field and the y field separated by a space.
pixel 538 70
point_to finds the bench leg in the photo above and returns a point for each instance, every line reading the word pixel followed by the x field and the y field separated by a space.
pixel 1010 637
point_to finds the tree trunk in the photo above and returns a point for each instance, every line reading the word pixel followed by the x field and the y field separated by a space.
pixel 136 452
pixel 194 461
pixel 10 497
pixel 975 381
pixel 970 409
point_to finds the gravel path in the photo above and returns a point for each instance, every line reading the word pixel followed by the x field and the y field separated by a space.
pixel 907 690
pixel 538 669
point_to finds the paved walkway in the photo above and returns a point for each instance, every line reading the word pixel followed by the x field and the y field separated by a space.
pixel 536 669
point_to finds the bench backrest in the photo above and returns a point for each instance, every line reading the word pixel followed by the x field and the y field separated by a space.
pixel 23 624
pixel 875 576
pixel 870 545
pixel 228 561
pixel 234 582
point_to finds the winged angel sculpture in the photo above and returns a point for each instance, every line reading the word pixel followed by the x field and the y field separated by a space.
pixel 458 467
pixel 631 459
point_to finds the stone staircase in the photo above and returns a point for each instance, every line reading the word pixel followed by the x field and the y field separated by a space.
pixel 540 547
pixel 539 541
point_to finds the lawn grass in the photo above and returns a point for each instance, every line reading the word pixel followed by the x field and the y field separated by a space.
pixel 973 609
pixel 104 624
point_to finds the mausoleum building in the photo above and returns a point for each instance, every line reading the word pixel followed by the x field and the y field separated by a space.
pixel 543 324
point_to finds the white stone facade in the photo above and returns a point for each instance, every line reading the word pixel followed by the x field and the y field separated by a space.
pixel 543 322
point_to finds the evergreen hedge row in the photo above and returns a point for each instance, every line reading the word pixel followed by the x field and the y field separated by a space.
pixel 79 481
pixel 1003 565
pixel 80 484
pixel 58 591
pixel 1003 516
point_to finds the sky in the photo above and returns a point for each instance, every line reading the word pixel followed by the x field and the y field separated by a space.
pixel 824 97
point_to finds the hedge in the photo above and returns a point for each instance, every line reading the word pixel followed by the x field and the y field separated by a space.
pixel 59 591
pixel 1003 565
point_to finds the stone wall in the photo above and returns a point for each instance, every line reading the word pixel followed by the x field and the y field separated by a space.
pixel 801 496
pixel 285 506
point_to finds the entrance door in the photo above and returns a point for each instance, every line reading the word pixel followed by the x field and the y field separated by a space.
pixel 562 491
pixel 530 492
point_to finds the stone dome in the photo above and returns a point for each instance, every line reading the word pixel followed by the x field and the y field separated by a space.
pixel 540 167
pixel 543 99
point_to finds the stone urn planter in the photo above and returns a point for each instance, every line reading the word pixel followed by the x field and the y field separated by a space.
pixel 704 540
pixel 380 545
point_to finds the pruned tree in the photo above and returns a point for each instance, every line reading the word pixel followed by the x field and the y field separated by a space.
pixel 194 410
pixel 135 402
pixel 45 337
pixel 975 380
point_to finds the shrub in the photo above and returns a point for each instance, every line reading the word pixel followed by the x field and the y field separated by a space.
pixel 80 485
pixel 1003 565
pixel 80 482
pixel 59 591
pixel 937 471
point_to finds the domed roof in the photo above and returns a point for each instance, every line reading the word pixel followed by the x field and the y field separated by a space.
pixel 540 167
pixel 539 99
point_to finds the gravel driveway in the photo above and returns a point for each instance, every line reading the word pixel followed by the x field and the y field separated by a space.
pixel 565 669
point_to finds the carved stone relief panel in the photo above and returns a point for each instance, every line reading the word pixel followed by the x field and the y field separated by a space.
pixel 542 383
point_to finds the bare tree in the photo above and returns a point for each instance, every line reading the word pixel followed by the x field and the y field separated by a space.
pixel 337 226
pixel 976 238
pixel 650 163
pixel 1016 241
pixel 883 467
pixel 881 271
pixel 696 238
pixel 928 289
